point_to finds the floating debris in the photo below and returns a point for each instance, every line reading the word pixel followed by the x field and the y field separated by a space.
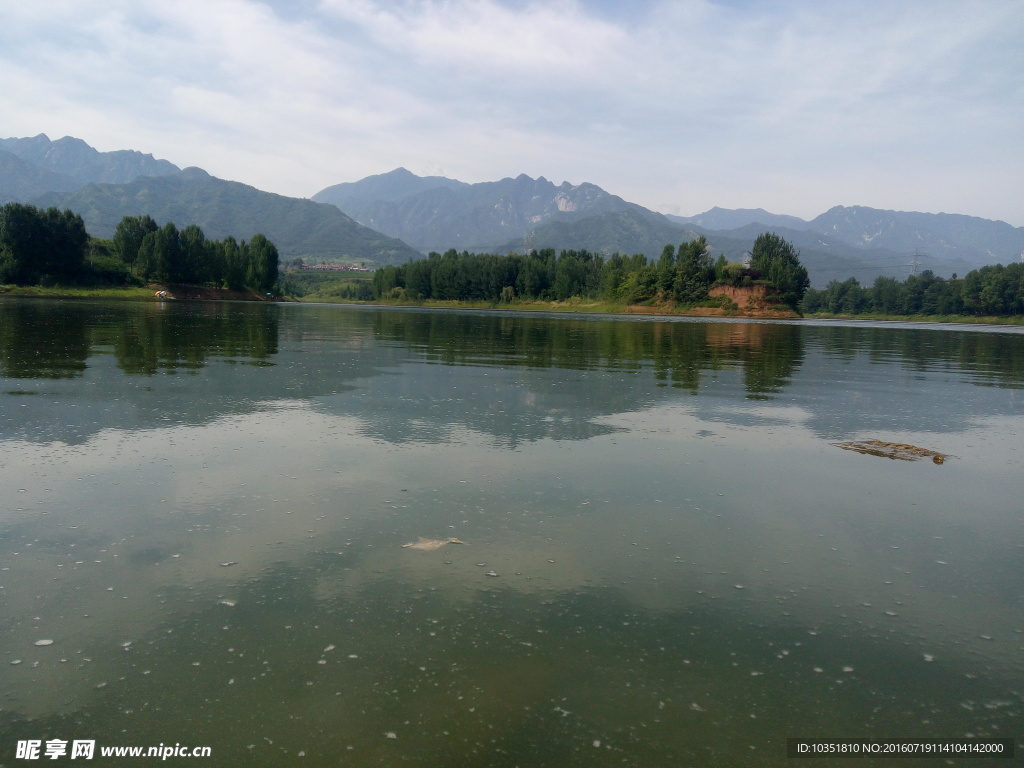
pixel 902 451
pixel 15 661
pixel 230 563
pixel 929 657
pixel 228 603
pixel 490 573
pixel 391 735
pixel 46 641
pixel 429 545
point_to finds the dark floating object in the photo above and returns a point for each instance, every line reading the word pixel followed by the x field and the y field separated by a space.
pixel 902 451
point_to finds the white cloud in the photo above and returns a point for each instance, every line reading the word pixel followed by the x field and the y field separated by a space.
pixel 793 106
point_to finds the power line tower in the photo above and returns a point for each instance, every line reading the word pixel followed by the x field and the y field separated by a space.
pixel 914 263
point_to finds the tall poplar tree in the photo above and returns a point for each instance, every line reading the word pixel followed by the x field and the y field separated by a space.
pixel 779 264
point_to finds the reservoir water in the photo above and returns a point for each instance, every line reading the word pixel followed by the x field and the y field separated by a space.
pixel 665 558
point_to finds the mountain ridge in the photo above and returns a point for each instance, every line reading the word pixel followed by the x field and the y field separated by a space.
pixel 21 181
pixel 520 213
pixel 393 185
pixel 298 227
pixel 74 158
pixel 733 218
pixel 438 213
pixel 446 213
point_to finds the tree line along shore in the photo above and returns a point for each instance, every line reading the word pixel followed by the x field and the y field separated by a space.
pixel 50 248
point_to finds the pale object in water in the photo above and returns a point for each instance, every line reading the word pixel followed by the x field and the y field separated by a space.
pixel 429 545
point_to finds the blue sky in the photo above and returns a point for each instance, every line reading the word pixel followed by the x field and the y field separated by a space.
pixel 680 106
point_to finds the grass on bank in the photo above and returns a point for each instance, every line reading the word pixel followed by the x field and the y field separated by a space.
pixel 80 292
pixel 718 306
pixel 131 293
pixel 728 309
pixel 338 294
pixel 971 319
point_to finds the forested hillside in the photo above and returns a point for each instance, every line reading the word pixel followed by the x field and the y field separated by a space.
pixel 301 228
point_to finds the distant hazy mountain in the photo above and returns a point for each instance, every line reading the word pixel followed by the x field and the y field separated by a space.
pixel 437 213
pixel 939 235
pixel 630 232
pixel 385 187
pixel 21 181
pixel 830 258
pixel 883 242
pixel 450 214
pixel 298 227
pixel 74 158
pixel 734 218
pixel 626 232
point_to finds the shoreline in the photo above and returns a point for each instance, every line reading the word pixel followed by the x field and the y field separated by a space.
pixel 132 293
pixel 205 293
pixel 656 311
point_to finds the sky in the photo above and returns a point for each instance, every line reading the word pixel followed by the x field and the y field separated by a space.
pixel 792 106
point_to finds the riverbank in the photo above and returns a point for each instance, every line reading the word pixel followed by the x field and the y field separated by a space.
pixel 724 301
pixel 969 319
pixel 611 308
pixel 204 293
pixel 584 306
pixel 151 292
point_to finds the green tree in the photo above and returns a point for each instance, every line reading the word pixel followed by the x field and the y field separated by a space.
pixel 129 234
pixel 386 279
pixel 263 264
pixel 234 265
pixel 21 243
pixel 40 245
pixel 694 271
pixel 417 279
pixel 779 264
pixel 195 257
pixel 160 255
pixel 667 269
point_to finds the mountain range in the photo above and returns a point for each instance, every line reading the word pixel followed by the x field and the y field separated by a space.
pixel 392 217
pixel 514 214
pixel 297 227
pixel 435 213
pixel 105 186
pixel 77 163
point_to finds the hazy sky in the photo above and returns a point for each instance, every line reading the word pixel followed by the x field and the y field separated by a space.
pixel 679 106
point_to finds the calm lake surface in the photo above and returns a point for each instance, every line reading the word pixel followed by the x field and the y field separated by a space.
pixel 666 561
